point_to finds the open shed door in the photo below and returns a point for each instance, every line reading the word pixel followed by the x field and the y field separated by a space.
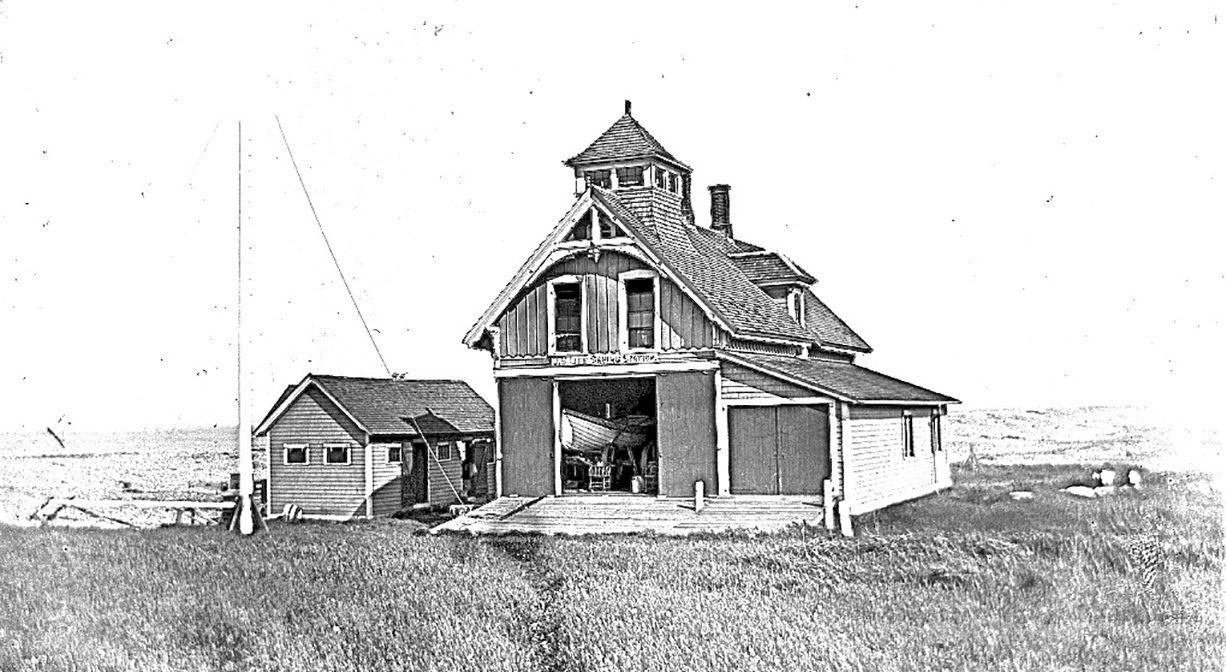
pixel 778 450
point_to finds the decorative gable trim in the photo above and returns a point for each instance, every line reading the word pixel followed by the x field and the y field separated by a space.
pixel 552 250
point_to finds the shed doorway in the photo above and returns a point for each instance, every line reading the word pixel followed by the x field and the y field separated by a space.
pixel 778 450
pixel 607 432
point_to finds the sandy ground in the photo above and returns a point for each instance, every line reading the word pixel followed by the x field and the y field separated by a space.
pixel 195 463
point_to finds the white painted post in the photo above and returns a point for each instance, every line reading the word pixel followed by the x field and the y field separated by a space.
pixel 723 486
pixel 828 503
pixel 845 520
pixel 699 495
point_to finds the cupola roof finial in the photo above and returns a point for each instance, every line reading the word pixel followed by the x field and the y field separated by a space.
pixel 627 108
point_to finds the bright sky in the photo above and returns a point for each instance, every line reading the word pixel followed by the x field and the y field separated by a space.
pixel 1014 205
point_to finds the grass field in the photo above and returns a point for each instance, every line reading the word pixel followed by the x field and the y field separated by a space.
pixel 969 579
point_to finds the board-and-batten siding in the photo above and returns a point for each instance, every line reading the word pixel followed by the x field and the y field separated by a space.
pixel 320 489
pixel 524 326
pixel 876 472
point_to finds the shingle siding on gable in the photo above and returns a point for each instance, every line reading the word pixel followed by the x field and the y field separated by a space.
pixel 524 326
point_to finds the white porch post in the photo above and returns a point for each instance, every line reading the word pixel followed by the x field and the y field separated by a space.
pixel 723 486
pixel 497 438
pixel 369 463
pixel 557 439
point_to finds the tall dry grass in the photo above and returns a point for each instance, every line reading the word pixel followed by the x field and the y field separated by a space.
pixel 969 579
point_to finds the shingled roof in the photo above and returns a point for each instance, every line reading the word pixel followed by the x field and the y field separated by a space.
pixel 625 139
pixel 763 266
pixel 702 264
pixel 842 380
pixel 383 406
pixel 830 329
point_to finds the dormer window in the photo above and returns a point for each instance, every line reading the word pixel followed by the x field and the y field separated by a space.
pixel 631 176
pixel 638 308
pixel 599 178
pixel 566 315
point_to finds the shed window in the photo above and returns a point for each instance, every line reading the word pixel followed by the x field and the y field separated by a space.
pixel 394 453
pixel 936 433
pixel 908 435
pixel 296 453
pixel 568 318
pixel 599 178
pixel 443 449
pixel 641 313
pixel 631 176
pixel 336 454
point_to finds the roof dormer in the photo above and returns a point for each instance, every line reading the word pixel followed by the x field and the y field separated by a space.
pixel 628 159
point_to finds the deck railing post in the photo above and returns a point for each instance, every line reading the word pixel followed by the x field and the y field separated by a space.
pixel 699 495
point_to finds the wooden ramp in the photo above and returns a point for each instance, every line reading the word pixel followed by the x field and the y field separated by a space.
pixel 628 514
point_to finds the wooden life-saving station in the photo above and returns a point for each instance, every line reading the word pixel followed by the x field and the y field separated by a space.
pixel 746 382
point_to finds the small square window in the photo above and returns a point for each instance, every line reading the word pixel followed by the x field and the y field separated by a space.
pixel 630 177
pixel 336 454
pixel 296 454
pixel 394 453
pixel 444 451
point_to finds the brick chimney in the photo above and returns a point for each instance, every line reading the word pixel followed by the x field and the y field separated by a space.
pixel 720 218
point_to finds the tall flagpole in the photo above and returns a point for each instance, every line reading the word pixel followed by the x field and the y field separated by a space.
pixel 246 482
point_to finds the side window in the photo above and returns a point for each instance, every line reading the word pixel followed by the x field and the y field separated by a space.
pixel 936 432
pixel 443 448
pixel 908 435
pixel 394 453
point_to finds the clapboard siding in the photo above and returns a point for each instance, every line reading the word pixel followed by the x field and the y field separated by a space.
pixel 439 471
pixel 320 489
pixel 739 382
pixel 385 483
pixel 524 326
pixel 877 474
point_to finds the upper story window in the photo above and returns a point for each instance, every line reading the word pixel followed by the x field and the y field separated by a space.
pixel 661 177
pixel 638 310
pixel 672 182
pixel 566 315
pixel 599 178
pixel 631 176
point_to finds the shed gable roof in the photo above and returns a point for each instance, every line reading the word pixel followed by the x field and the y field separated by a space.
pixel 383 406
pixel 842 380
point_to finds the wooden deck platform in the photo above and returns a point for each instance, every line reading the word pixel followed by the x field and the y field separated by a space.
pixel 626 514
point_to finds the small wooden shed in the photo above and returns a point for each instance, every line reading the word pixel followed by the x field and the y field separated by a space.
pixel 342 447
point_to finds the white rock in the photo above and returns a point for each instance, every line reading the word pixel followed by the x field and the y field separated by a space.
pixel 1107 477
pixel 1021 494
pixel 1081 491
pixel 1134 477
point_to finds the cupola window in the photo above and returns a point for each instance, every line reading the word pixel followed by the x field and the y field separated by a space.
pixel 631 176
pixel 599 178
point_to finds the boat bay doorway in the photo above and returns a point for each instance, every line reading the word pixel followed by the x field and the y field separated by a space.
pixel 608 434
